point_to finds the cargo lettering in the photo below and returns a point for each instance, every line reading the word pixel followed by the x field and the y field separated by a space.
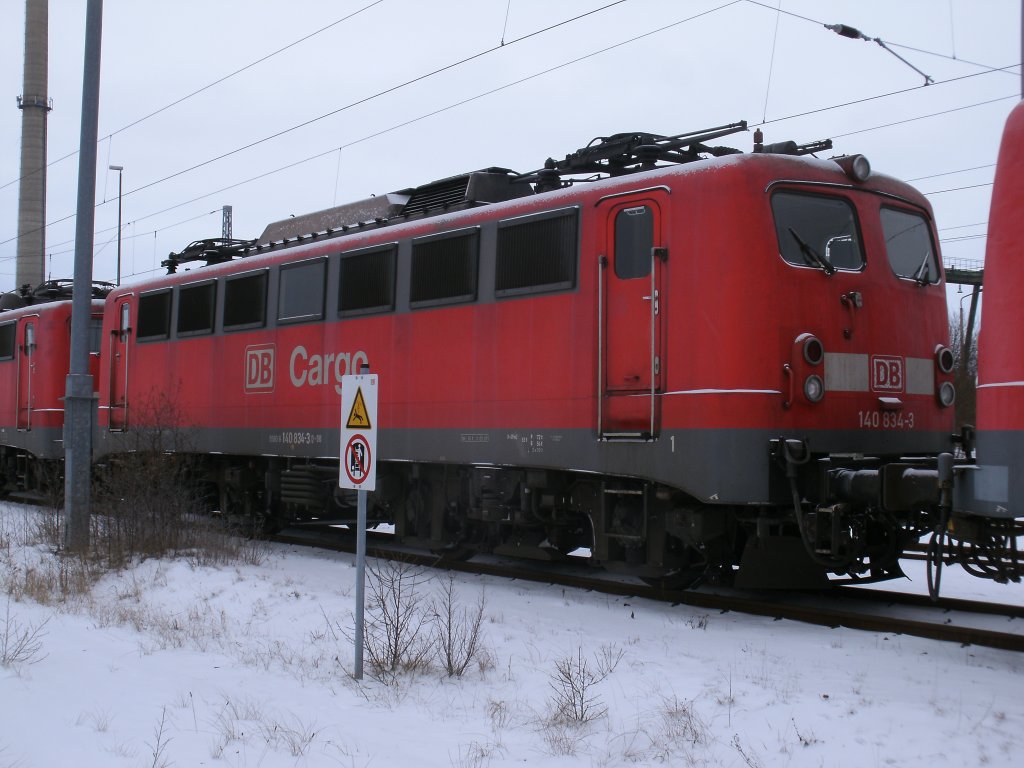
pixel 314 370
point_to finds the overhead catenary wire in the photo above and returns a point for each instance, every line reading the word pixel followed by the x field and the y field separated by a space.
pixel 951 173
pixel 206 87
pixel 518 82
pixel 898 92
pixel 378 94
pixel 923 117
pixel 147 233
pixel 771 62
pixel 403 124
pixel 889 43
pixel 419 78
pixel 491 91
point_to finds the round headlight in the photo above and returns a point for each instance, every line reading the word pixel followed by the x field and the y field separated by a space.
pixel 856 167
pixel 814 352
pixel 861 168
pixel 944 359
pixel 814 388
pixel 947 394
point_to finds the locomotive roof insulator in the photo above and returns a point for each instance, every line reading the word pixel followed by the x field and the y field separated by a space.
pixel 49 290
pixel 790 147
pixel 856 167
pixel 215 250
pixel 623 153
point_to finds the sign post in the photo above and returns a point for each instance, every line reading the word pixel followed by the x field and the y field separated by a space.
pixel 359 472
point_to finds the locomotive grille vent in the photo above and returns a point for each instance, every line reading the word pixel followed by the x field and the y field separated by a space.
pixel 443 194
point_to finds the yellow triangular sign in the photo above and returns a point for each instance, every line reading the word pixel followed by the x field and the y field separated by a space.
pixel 358 418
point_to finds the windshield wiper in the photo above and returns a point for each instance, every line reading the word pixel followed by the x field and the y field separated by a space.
pixel 812 255
pixel 922 274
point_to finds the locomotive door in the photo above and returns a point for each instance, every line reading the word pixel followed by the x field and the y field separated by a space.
pixel 26 371
pixel 118 414
pixel 632 318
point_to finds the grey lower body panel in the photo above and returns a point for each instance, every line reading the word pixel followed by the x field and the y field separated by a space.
pixel 42 442
pixel 994 487
pixel 714 466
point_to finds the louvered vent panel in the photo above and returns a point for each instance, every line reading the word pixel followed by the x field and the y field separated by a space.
pixel 441 194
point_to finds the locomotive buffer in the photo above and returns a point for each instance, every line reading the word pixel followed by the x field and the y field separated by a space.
pixel 358 472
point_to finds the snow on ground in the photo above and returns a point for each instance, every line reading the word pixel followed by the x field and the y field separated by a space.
pixel 170 664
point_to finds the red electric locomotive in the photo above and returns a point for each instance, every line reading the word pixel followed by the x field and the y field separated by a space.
pixel 706 362
pixel 35 347
pixel 987 504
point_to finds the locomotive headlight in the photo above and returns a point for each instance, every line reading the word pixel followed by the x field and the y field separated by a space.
pixel 814 388
pixel 947 394
pixel 856 167
pixel 944 358
pixel 814 352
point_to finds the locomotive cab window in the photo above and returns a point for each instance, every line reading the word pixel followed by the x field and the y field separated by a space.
pixel 245 301
pixel 634 239
pixel 301 294
pixel 817 231
pixel 154 316
pixel 908 244
pixel 7 341
pixel 536 253
pixel 367 281
pixel 196 308
pixel 95 334
pixel 444 269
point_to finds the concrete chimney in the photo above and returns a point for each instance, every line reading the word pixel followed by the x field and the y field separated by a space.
pixel 34 105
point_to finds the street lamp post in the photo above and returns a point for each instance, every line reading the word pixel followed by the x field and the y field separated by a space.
pixel 119 169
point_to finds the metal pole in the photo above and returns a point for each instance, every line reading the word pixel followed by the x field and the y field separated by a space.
pixel 119 169
pixel 360 568
pixel 968 338
pixel 360 579
pixel 79 394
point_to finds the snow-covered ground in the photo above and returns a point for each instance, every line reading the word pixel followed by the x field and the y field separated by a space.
pixel 169 663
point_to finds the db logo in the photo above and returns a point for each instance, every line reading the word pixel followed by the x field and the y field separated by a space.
pixel 886 374
pixel 259 368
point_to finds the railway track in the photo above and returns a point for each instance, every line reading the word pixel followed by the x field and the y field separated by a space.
pixel 948 620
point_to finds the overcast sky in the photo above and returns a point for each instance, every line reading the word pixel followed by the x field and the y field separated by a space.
pixel 665 66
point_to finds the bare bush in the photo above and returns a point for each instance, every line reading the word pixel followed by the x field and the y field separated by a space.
pixel 153 498
pixel 295 736
pixel 607 659
pixel 20 644
pixel 160 742
pixel 397 624
pixel 574 699
pixel 457 633
pixel 681 724
pixel 147 505
pixel 475 755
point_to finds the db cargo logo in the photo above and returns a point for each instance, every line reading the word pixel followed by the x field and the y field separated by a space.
pixel 259 368
pixel 886 374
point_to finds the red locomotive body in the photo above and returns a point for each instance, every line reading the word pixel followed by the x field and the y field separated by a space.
pixel 987 504
pixel 685 368
pixel 35 346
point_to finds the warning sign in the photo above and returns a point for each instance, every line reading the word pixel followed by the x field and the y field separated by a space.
pixel 358 418
pixel 358 432
pixel 357 460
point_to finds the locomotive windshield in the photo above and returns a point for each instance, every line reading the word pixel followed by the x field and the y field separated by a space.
pixel 908 244
pixel 817 231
